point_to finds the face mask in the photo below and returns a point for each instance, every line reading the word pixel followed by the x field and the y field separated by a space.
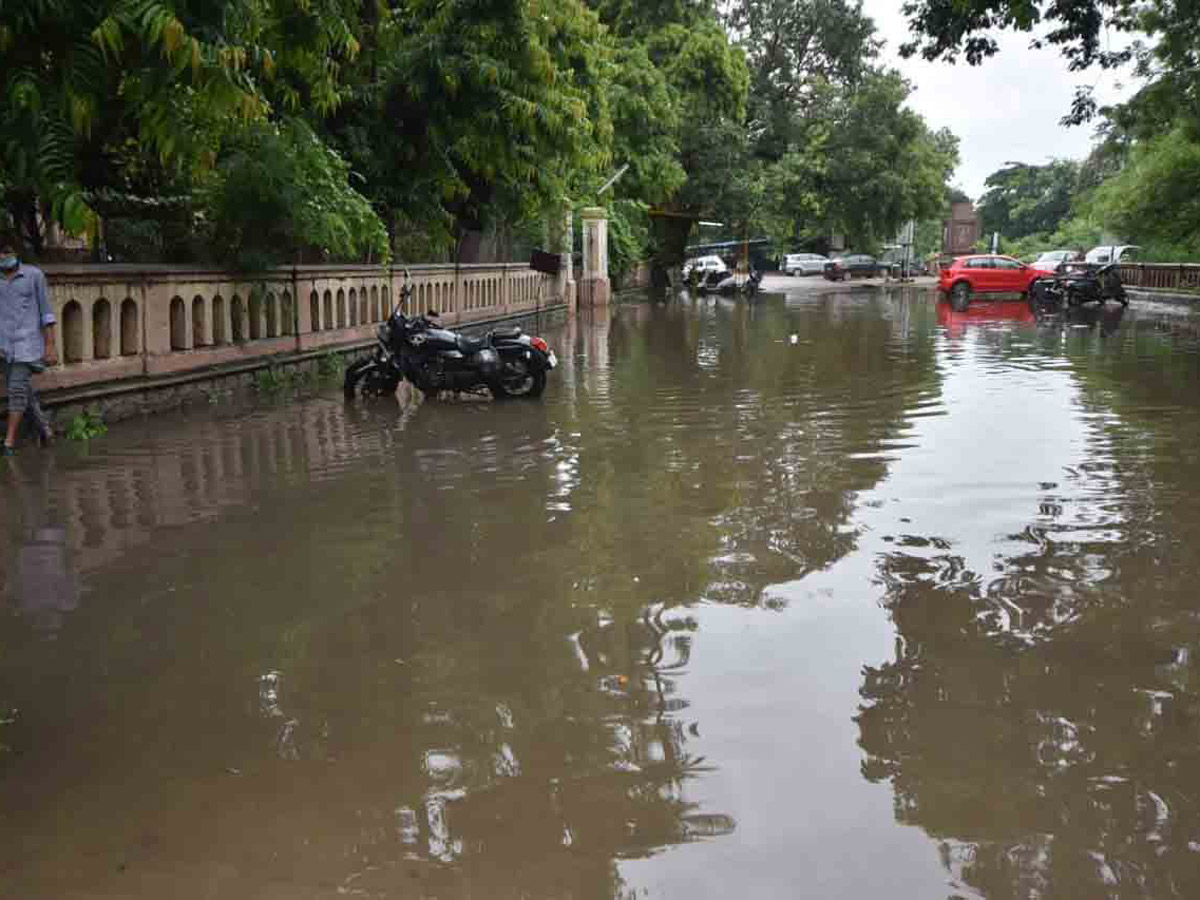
pixel 8 263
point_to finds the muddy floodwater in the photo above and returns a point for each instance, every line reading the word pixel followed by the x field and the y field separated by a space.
pixel 832 595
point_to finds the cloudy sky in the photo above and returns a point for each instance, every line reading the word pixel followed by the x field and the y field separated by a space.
pixel 1005 109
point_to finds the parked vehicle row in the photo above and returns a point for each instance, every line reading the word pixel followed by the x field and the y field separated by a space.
pixel 855 265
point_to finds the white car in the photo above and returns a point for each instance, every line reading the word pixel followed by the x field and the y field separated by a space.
pixel 1098 256
pixel 704 264
pixel 804 264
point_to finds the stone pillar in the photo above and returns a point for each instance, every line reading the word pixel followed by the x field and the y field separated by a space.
pixel 563 242
pixel 87 309
pixel 205 337
pixel 594 288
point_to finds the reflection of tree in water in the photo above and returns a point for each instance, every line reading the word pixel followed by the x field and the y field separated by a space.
pixel 1043 720
pixel 527 776
pixel 780 438
pixel 549 729
pixel 470 652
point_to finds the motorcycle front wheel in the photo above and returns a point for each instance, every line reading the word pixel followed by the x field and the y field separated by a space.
pixel 519 379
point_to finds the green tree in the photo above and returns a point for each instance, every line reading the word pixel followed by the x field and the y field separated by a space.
pixel 278 188
pixel 78 79
pixel 796 50
pixel 1022 199
pixel 1153 199
pixel 886 165
pixel 465 113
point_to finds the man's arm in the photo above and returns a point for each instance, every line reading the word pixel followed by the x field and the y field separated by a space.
pixel 49 332
pixel 47 321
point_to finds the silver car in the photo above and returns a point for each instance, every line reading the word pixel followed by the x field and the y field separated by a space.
pixel 804 264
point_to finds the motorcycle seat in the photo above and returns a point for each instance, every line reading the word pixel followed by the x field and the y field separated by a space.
pixel 507 333
pixel 471 345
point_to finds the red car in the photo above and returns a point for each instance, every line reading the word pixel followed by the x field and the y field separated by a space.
pixel 986 274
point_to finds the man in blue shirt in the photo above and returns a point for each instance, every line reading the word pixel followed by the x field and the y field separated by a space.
pixel 27 342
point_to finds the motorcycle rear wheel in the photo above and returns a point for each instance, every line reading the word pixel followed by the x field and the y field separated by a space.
pixel 519 379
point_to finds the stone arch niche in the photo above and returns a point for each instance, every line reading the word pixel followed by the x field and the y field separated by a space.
pixel 101 329
pixel 218 314
pixel 341 308
pixel 375 316
pixel 199 322
pixel 353 307
pixel 178 324
pixel 314 311
pixel 129 327
pixel 362 308
pixel 72 332
pixel 327 321
pixel 237 315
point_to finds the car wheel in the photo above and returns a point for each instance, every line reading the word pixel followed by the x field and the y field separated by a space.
pixel 960 296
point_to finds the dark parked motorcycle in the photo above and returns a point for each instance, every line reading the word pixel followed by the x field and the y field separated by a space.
pixel 507 362
pixel 1075 286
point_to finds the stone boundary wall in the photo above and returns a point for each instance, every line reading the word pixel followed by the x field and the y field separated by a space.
pixel 119 325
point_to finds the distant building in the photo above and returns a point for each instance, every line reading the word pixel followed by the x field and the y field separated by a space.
pixel 961 230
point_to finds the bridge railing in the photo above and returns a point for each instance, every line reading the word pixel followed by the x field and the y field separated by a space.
pixel 118 321
pixel 1161 276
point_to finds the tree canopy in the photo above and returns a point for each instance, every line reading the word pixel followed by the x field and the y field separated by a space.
pixel 251 131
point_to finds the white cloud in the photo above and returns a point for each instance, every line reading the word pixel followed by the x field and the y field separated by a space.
pixel 1006 109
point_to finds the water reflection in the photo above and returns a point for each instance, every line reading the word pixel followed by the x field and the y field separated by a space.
pixel 609 644
pixel 38 579
pixel 1039 717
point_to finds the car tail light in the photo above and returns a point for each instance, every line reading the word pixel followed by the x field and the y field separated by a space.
pixel 540 345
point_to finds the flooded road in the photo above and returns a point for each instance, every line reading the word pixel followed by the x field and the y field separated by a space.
pixel 832 595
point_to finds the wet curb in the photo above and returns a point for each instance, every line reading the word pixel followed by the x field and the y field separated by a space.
pixel 1172 297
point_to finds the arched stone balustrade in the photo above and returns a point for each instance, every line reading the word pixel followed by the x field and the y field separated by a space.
pixel 123 322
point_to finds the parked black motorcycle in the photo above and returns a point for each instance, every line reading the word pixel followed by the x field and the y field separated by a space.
pixel 1077 286
pixel 507 362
